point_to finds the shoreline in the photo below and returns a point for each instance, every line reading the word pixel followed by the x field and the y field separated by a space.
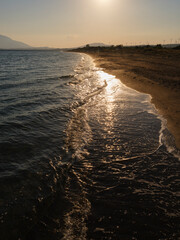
pixel 156 73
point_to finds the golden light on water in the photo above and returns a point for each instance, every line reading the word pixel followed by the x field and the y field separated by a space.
pixel 113 86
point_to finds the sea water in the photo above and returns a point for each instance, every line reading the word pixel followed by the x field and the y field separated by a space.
pixel 81 155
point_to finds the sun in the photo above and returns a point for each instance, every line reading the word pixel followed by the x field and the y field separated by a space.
pixel 103 2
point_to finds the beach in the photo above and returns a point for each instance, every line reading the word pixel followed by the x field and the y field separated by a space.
pixel 154 71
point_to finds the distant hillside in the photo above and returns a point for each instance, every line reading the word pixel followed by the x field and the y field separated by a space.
pixel 96 45
pixel 8 43
pixel 174 45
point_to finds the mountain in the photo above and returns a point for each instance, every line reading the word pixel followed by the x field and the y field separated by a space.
pixel 8 43
pixel 96 45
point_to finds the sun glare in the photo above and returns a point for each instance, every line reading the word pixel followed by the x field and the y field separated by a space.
pixel 104 2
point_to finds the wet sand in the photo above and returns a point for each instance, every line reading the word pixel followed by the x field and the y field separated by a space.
pixel 148 70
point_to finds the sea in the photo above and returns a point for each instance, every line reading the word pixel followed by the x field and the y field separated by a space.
pixel 82 156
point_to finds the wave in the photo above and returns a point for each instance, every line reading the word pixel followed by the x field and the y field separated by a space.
pixel 30 83
pixel 168 140
pixel 67 76
pixel 97 91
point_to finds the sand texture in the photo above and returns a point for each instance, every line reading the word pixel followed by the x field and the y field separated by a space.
pixel 149 70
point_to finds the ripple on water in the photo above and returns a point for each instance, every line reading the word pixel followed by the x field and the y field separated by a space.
pixel 85 157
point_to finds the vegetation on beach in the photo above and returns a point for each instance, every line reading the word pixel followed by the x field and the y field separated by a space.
pixel 116 48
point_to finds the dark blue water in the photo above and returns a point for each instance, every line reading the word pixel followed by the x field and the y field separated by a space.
pixel 81 155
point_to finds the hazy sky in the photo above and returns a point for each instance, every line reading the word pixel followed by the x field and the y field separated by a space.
pixel 69 23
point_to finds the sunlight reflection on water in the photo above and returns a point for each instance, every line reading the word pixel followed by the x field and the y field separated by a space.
pixel 113 87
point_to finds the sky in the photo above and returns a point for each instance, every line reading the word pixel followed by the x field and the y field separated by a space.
pixel 72 23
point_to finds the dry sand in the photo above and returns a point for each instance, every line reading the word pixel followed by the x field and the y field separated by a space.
pixel 148 70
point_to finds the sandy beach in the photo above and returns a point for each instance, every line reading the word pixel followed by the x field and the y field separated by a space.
pixel 149 70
